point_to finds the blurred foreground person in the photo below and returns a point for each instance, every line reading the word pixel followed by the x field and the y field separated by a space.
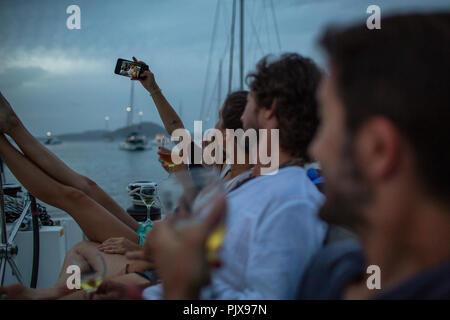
pixel 385 109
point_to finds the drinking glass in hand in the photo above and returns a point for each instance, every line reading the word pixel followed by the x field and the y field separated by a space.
pixel 194 191
pixel 92 272
pixel 170 193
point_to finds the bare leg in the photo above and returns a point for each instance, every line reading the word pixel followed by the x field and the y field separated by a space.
pixel 115 263
pixel 97 223
pixel 77 295
pixel 54 167
pixel 84 254
pixel 134 282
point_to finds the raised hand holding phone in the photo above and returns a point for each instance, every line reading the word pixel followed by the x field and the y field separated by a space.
pixel 131 69
pixel 147 78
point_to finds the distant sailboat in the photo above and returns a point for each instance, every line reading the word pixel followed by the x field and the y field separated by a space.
pixel 135 141
pixel 51 140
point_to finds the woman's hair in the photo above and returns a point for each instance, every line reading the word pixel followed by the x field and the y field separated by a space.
pixel 233 108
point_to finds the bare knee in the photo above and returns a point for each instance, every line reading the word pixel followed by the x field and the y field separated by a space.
pixel 70 195
pixel 89 186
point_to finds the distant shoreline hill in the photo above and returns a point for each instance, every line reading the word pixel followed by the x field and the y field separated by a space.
pixel 149 129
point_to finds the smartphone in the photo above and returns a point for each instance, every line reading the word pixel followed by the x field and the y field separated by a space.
pixel 129 68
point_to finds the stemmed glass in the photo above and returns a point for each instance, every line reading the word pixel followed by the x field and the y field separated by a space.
pixel 92 272
pixel 195 191
pixel 148 195
pixel 170 192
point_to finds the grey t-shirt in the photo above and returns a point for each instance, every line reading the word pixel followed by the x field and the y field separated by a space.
pixel 331 270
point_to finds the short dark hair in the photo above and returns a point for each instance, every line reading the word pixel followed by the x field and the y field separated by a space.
pixel 233 108
pixel 401 72
pixel 292 80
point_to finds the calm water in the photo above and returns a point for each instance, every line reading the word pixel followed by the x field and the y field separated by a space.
pixel 111 168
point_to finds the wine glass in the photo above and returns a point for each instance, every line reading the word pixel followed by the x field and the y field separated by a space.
pixel 170 192
pixel 209 186
pixel 196 189
pixel 92 272
pixel 148 195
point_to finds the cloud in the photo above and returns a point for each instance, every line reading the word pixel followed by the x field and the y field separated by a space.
pixel 16 76
pixel 63 80
pixel 52 61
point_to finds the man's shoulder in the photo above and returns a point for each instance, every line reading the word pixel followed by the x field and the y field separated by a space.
pixel 285 180
pixel 431 284
pixel 331 268
pixel 290 190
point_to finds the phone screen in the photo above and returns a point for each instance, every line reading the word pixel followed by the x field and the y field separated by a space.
pixel 130 69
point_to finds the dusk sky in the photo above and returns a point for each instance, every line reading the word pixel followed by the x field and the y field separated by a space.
pixel 63 80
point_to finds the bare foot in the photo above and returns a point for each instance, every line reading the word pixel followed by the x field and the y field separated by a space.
pixel 20 292
pixel 8 118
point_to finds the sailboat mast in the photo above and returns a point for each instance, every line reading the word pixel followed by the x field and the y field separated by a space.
pixel 241 64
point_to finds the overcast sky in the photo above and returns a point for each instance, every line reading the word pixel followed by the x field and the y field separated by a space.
pixel 63 80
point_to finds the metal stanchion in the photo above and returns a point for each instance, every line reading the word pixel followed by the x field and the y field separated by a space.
pixel 8 250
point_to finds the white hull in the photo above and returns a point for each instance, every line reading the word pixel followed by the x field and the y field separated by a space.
pixel 133 147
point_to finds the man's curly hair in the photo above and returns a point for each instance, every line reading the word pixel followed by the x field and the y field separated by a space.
pixel 291 81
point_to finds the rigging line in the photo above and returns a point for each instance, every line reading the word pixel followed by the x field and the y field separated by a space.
pixel 255 32
pixel 219 88
pixel 241 46
pixel 252 38
pixel 257 29
pixel 254 44
pixel 230 72
pixel 274 17
pixel 228 36
pixel 210 102
pixel 226 50
pixel 208 66
pixel 266 22
pixel 226 47
pixel 260 28
pixel 225 19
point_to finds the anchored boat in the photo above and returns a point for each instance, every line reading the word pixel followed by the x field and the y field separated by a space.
pixel 135 142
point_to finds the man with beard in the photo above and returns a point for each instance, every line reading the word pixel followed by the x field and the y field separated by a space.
pixel 382 145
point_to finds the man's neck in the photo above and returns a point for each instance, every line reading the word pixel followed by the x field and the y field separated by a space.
pixel 237 169
pixel 424 244
pixel 282 157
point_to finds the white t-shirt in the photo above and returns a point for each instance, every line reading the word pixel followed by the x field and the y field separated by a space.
pixel 272 232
